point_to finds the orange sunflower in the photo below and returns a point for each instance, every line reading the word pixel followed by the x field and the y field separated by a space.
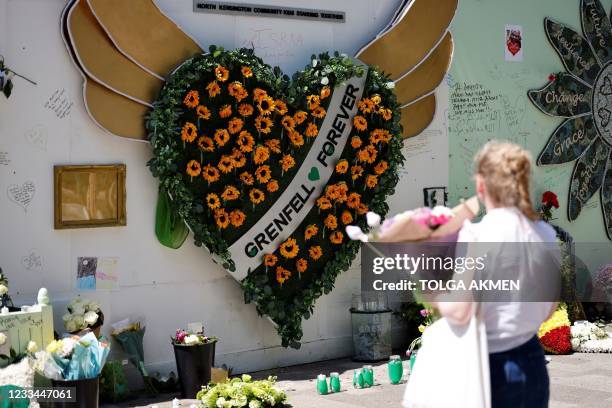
pixel 386 113
pixel 366 105
pixel 245 109
pixel 247 178
pixel 342 166
pixel 245 142
pixel 272 186
pixel 296 139
pixel 354 200
pixel 193 168
pixel 270 259
pixel 289 249
pixel 331 222
pixel 336 237
pixel 234 88
pixel 238 158
pixel 315 252
pixel 230 193
pixel 301 265
pixel 282 274
pixel 323 203
pixel 280 107
pixel 225 111
pixel 311 130
pixel 313 101
pixel 221 73
pixel 362 209
pixel 256 196
pixel 203 112
pixel 356 172
pixel 371 181
pixel 246 71
pixel 380 135
pixel 288 122
pixel 360 123
pixel 265 104
pixel 213 89
pixel 319 112
pixel 222 218
pixel 210 173
pixel 342 191
pixel 300 117
pixel 235 125
pixel 206 144
pixel 355 142
pixel 381 167
pixel 274 145
pixel 192 99
pixel 287 162
pixel 212 200
pixel 226 164
pixel 376 99
pixel 310 231
pixel 259 93
pixel 261 155
pixel 346 217
pixel 263 124
pixel 237 218
pixel 189 132
pixel 221 137
pixel 367 154
pixel 263 174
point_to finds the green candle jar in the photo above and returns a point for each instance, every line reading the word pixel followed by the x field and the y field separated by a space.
pixel 357 379
pixel 413 357
pixel 334 382
pixel 368 376
pixel 395 369
pixel 322 384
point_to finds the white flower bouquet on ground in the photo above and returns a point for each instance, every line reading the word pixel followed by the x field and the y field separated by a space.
pixel 590 338
pixel 82 314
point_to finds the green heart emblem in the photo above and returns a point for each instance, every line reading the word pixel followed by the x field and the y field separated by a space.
pixel 314 174
pixel 234 142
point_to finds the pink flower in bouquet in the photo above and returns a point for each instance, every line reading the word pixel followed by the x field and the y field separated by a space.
pixel 439 216
pixel 180 336
pixel 424 312
pixel 422 215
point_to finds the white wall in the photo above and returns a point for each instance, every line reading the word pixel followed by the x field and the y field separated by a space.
pixel 168 288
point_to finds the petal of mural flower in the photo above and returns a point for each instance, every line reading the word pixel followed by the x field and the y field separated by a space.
pixel 597 29
pixel 574 51
pixel 565 96
pixel 606 197
pixel 418 115
pixel 569 141
pixel 428 75
pixel 587 177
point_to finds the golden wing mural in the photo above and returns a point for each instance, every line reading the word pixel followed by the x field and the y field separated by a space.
pixel 124 50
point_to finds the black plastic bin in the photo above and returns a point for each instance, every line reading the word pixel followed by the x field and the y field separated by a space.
pixel 193 364
pixel 87 393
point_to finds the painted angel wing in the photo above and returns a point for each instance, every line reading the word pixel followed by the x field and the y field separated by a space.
pixel 416 50
pixel 120 81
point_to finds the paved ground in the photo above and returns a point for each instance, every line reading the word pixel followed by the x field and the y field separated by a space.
pixel 578 380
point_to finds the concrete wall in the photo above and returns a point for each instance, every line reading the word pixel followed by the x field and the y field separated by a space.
pixel 166 288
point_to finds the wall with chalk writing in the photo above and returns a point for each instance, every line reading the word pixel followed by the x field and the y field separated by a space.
pixel 488 99
pixel 125 268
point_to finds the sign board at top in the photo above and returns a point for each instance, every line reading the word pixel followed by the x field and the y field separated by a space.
pixel 261 10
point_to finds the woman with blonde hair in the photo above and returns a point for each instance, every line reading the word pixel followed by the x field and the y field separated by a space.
pixel 517 365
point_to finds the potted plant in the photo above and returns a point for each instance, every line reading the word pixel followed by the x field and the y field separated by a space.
pixel 194 354
pixel 413 349
pixel 83 314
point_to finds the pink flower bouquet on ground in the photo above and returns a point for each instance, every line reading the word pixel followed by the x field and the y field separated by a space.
pixel 421 224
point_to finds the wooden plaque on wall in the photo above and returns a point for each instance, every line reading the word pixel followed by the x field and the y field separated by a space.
pixel 89 196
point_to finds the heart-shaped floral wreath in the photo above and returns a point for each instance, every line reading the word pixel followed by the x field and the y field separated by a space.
pixel 231 138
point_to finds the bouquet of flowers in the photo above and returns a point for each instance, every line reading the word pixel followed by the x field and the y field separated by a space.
pixel 73 358
pixel 416 225
pixel 427 316
pixel 243 392
pixel 554 334
pixel 5 299
pixel 548 202
pixel 590 338
pixel 82 314
pixel 185 338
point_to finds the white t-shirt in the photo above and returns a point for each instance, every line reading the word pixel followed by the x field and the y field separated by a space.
pixel 511 324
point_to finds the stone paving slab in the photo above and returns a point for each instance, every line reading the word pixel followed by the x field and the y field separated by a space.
pixel 578 380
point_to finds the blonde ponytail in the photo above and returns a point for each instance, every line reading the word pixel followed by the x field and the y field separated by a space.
pixel 506 170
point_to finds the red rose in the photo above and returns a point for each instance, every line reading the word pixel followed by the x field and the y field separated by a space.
pixel 550 199
pixel 557 341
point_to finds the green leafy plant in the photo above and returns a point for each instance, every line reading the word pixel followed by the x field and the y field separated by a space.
pixel 243 392
pixel 284 291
